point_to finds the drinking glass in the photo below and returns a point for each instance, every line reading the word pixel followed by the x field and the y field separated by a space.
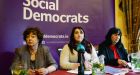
pixel 98 69
pixel 19 69
pixel 135 62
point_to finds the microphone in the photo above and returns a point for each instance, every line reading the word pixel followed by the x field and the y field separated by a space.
pixel 80 49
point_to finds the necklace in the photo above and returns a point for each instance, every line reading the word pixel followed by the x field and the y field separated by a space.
pixel 33 53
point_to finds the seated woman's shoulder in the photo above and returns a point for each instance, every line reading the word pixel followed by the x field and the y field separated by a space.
pixel 66 45
pixel 103 44
pixel 44 47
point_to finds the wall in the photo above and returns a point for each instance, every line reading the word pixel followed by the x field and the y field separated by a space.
pixel 120 22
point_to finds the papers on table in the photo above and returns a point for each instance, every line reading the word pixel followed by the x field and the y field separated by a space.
pixel 108 69
pixel 76 71
pixel 115 71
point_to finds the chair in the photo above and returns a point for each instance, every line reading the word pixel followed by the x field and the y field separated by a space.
pixel 96 48
pixel 59 51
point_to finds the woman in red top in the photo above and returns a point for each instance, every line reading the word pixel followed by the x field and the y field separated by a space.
pixel 113 49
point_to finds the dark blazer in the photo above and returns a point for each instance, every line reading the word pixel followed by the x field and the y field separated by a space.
pixel 43 57
pixel 109 55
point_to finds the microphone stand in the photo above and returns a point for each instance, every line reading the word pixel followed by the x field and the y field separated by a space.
pixel 81 61
pixel 80 49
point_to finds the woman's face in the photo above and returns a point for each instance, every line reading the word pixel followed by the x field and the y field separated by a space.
pixel 115 38
pixel 78 35
pixel 32 39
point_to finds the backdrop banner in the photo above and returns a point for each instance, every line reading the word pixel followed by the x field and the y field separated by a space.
pixel 55 18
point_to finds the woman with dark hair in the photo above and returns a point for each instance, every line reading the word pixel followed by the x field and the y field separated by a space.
pixel 113 49
pixel 69 54
pixel 34 57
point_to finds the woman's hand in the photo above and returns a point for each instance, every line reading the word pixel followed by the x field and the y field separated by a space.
pixel 31 72
pixel 75 65
pixel 42 71
pixel 88 65
pixel 122 62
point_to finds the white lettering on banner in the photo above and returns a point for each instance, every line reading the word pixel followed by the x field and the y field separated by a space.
pixel 30 14
pixel 27 4
pixel 42 4
pixel 63 18
pixel 27 13
pixel 55 36
pixel 36 16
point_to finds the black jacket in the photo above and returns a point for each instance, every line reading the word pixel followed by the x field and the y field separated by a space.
pixel 109 55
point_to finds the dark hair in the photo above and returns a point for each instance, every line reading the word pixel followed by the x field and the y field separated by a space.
pixel 72 43
pixel 35 31
pixel 111 31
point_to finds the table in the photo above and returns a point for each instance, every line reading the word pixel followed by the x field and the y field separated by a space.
pixel 61 72
pixel 64 72
pixel 133 73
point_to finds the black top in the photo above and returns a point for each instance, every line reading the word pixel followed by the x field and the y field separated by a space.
pixel 109 55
